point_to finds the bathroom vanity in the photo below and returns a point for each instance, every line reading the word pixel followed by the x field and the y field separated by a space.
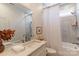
pixel 31 48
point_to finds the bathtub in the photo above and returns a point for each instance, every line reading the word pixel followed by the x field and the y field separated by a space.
pixel 69 49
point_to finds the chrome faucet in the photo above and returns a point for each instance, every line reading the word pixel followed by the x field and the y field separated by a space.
pixel 24 39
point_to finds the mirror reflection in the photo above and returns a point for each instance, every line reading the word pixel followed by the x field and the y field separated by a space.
pixel 16 17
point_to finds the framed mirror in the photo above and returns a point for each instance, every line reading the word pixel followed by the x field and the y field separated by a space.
pixel 16 17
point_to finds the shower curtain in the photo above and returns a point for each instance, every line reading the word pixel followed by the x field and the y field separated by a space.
pixel 51 27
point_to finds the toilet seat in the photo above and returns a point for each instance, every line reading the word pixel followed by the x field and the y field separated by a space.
pixel 50 51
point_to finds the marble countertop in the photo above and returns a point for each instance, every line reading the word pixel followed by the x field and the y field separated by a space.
pixel 30 47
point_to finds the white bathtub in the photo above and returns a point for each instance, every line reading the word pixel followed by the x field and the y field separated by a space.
pixel 69 49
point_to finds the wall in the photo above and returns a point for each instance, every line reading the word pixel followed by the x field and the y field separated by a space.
pixel 36 15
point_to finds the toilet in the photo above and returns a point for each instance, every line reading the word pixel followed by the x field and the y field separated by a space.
pixel 51 52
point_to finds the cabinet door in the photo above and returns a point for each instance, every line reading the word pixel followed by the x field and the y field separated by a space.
pixel 40 51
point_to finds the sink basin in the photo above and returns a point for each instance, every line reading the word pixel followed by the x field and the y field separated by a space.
pixel 18 48
pixel 32 43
